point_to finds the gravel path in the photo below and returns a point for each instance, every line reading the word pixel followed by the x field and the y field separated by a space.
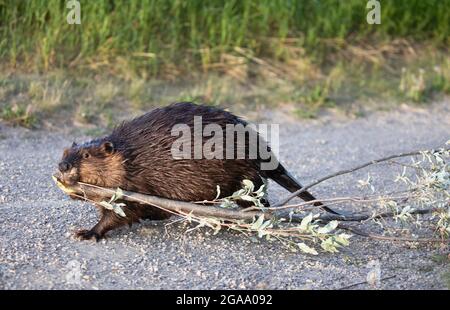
pixel 38 251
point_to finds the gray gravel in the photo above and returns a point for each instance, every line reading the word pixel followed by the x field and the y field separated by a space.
pixel 37 249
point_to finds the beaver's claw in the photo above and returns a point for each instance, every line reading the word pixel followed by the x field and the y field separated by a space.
pixel 85 234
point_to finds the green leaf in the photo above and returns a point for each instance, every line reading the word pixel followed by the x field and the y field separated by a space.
pixel 106 205
pixel 306 249
pixel 262 233
pixel 118 209
pixel 342 239
pixel 261 190
pixel 305 222
pixel 248 185
pixel 256 225
pixel 248 198
pixel 238 193
pixel 330 245
pixel 118 194
pixel 265 225
pixel 328 228
pixel 228 204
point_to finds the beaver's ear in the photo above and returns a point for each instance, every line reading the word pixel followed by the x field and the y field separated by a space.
pixel 108 147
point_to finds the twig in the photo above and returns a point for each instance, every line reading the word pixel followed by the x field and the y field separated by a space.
pixel 172 205
pixel 406 165
pixel 364 282
pixel 388 238
pixel 212 211
pixel 372 162
pixel 188 207
pixel 336 200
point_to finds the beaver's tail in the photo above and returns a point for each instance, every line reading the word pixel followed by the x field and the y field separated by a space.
pixel 286 180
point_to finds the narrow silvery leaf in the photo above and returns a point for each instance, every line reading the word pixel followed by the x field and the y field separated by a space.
pixel 306 249
pixel 258 223
pixel 329 245
pixel 118 210
pixel 305 222
pixel 238 193
pixel 261 189
pixel 265 224
pixel 261 233
pixel 118 193
pixel 106 205
pixel 342 239
pixel 218 192
pixel 248 184
pixel 328 228
pixel 247 198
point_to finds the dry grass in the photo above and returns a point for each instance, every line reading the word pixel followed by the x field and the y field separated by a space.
pixel 355 79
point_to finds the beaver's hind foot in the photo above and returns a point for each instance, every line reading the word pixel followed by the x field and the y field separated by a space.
pixel 86 234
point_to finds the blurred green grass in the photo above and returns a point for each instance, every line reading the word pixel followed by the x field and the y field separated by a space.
pixel 154 36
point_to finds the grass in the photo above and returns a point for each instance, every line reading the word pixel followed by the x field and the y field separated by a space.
pixel 132 37
pixel 441 259
pixel 89 100
pixel 19 115
pixel 128 56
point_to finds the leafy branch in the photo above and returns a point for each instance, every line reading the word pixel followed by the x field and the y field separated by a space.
pixel 290 225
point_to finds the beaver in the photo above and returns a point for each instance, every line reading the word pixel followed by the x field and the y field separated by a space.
pixel 137 157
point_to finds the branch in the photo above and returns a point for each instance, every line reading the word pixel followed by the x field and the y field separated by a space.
pixel 364 282
pixel 372 162
pixel 87 190
pixel 388 238
pixel 181 207
pixel 163 203
pixel 336 200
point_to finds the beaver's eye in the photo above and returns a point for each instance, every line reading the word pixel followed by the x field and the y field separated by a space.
pixel 86 155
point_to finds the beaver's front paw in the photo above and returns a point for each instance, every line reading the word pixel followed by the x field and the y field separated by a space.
pixel 85 234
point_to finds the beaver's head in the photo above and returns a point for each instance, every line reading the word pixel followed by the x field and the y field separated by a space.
pixel 96 162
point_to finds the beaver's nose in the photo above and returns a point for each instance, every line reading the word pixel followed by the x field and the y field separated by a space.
pixel 64 166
